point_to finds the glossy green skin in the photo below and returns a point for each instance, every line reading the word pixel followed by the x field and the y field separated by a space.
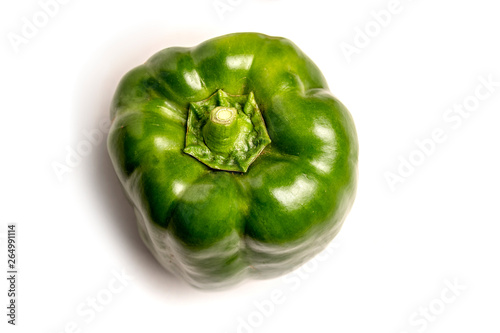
pixel 215 228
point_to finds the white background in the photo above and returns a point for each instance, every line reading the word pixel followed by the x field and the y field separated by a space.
pixel 400 248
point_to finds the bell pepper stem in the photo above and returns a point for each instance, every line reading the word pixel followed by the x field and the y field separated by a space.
pixel 226 132
pixel 221 131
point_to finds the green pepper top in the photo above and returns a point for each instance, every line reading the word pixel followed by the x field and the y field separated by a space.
pixel 226 132
pixel 237 158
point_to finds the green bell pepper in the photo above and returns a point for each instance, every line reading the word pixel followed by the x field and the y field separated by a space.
pixel 236 157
